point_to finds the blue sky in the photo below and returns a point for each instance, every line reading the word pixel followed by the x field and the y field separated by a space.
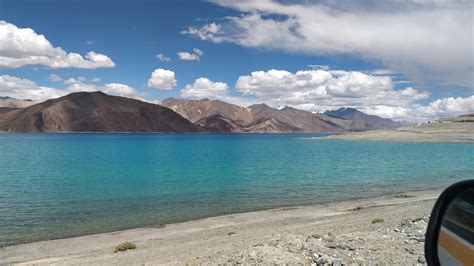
pixel 132 33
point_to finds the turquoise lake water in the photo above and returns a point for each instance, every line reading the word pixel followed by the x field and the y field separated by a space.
pixel 63 185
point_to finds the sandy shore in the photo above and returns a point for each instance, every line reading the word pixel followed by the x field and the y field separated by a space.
pixel 448 133
pixel 334 232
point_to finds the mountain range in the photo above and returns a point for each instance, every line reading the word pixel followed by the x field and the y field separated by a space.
pixel 99 112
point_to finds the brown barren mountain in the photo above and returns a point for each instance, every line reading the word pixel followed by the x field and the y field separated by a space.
pixel 225 117
pixel 94 112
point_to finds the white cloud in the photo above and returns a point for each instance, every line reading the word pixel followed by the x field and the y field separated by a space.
pixel 19 88
pixel 23 46
pixel 54 78
pixel 198 52
pixel 162 79
pixel 26 89
pixel 195 56
pixel 118 89
pixel 440 108
pixel 446 107
pixel 206 32
pixel 163 58
pixel 205 88
pixel 188 56
pixel 426 41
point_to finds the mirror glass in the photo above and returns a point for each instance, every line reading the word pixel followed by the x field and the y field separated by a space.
pixel 456 235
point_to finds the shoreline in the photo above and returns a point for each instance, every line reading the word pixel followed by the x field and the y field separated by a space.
pixel 455 132
pixel 257 210
pixel 160 243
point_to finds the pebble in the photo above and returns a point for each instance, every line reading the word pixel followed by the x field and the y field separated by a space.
pixel 323 259
pixel 410 250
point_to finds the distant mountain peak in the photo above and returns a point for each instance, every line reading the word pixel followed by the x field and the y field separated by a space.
pixel 364 120
pixel 343 111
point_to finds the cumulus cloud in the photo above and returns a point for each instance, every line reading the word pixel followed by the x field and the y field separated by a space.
pixel 26 89
pixel 205 88
pixel 118 89
pixel 23 46
pixel 163 58
pixel 446 107
pixel 162 79
pixel 206 32
pixel 19 88
pixel 439 108
pixel 319 90
pixel 426 40
pixel 194 56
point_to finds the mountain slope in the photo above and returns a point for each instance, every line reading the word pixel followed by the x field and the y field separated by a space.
pixel 359 121
pixel 95 112
pixel 195 110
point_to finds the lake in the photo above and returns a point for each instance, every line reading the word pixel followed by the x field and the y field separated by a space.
pixel 63 185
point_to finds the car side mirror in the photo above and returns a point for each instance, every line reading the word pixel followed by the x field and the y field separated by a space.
pixel 450 232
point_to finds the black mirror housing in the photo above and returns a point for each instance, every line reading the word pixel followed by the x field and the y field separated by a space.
pixel 450 232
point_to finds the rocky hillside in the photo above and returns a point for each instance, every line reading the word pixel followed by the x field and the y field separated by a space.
pixel 94 112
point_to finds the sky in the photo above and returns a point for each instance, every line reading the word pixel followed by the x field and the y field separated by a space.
pixel 406 60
